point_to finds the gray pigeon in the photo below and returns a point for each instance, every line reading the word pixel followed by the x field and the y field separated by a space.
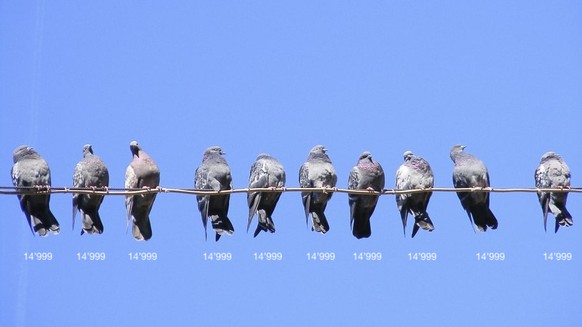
pixel 90 172
pixel 469 171
pixel 414 173
pixel 266 172
pixel 554 173
pixel 30 170
pixel 214 174
pixel 366 175
pixel 317 172
pixel 142 172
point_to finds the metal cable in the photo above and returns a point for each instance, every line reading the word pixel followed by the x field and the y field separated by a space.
pixel 5 190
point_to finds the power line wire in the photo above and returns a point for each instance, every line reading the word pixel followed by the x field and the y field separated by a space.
pixel 43 189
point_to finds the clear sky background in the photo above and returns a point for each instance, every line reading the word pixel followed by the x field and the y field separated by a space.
pixel 503 78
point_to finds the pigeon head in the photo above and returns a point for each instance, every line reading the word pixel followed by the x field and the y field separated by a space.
pixel 318 149
pixel 263 156
pixel 366 155
pixel 408 155
pixel 213 151
pixel 456 150
pixel 134 147
pixel 24 152
pixel 318 152
pixel 550 155
pixel 87 149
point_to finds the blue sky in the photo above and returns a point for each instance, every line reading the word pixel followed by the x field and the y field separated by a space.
pixel 505 79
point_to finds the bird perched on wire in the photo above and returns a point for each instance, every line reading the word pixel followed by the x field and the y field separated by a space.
pixel 266 172
pixel 214 174
pixel 554 173
pixel 470 172
pixel 31 170
pixel 317 172
pixel 414 173
pixel 366 175
pixel 90 172
pixel 142 172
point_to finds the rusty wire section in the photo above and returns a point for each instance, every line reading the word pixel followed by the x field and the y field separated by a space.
pixel 43 189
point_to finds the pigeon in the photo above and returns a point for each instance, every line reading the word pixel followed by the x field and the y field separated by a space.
pixel 214 174
pixel 366 175
pixel 317 172
pixel 142 172
pixel 414 173
pixel 470 172
pixel 554 173
pixel 90 172
pixel 266 172
pixel 31 170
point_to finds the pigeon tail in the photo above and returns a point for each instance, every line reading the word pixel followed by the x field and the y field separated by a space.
pixel 92 223
pixel 38 228
pixel 52 223
pixel 47 222
pixel 564 219
pixel 265 225
pixel 306 206
pixel 545 208
pixel 422 221
pixel 361 228
pixel 320 223
pixel 40 220
pixel 142 228
pixel 483 217
pixel 222 225
pixel 404 218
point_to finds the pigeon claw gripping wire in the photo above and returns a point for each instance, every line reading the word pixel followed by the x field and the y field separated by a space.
pixel 327 190
pixel 43 188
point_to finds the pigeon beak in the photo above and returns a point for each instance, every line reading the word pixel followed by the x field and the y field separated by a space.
pixel 463 147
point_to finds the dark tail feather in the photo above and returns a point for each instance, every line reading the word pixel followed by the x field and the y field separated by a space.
pixel 45 224
pixel 484 217
pixel 404 218
pixel 415 229
pixel 545 209
pixel 33 222
pixel 222 226
pixel 362 227
pixel 253 208
pixel 563 219
pixel 142 228
pixel 249 222
pixel 422 221
pixel 26 209
pixel 92 223
pixel 320 223
pixel 306 205
pixel 265 225
pixel 50 222
pixel 36 225
pixel 75 208
pixel 40 219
